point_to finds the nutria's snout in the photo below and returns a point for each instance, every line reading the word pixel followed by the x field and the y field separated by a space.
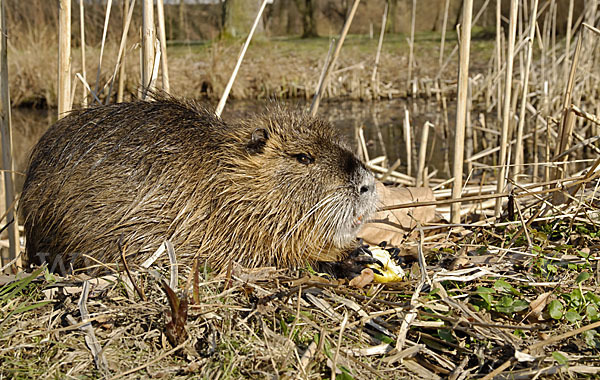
pixel 366 187
pixel 359 211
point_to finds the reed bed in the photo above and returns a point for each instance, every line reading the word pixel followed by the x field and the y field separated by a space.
pixel 503 286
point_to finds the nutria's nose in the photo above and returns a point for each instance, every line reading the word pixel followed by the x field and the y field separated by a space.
pixel 365 188
pixel 367 183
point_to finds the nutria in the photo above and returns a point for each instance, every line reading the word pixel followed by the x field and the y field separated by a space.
pixel 280 189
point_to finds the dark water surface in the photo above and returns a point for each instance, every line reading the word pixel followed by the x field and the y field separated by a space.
pixel 382 121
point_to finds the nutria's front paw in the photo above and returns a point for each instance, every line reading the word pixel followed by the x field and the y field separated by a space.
pixel 351 266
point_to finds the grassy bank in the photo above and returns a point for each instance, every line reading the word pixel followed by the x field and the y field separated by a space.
pixel 274 68
pixel 486 301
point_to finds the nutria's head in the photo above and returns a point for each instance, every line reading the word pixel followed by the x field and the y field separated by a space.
pixel 307 193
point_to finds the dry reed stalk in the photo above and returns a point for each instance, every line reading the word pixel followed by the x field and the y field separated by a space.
pixel 379 134
pixel 362 143
pixel 595 30
pixel 590 173
pixel 121 85
pixel 407 142
pixel 64 56
pixel 163 44
pixel 119 66
pixel 334 365
pixel 393 175
pixel 315 106
pixel 535 149
pixel 323 71
pixel 451 201
pixel 568 41
pixel 467 190
pixel 544 83
pixel 411 46
pixel 520 22
pixel 6 132
pixel 507 103
pixel 568 118
pixel 73 89
pixel 377 160
pixel 147 45
pixel 155 63
pixel 443 39
pixel 375 85
pixel 553 40
pixel 87 86
pixel 547 155
pixel 225 95
pixel 445 126
pixel 390 170
pixel 104 31
pixel 461 108
pixel 423 154
pixel 469 135
pixel 455 50
pixel 82 34
pixel 521 125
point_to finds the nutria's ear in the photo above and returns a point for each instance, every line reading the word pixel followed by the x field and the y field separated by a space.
pixel 258 140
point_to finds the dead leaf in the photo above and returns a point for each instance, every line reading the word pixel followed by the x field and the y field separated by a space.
pixel 175 329
pixel 461 260
pixel 391 225
pixel 537 307
pixel 365 278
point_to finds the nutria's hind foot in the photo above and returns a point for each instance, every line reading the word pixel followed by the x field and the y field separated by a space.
pixel 352 265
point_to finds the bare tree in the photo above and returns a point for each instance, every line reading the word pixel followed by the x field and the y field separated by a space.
pixel 182 24
pixel 392 23
pixel 239 16
pixel 308 10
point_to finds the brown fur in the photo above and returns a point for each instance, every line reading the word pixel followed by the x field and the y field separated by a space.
pixel 144 172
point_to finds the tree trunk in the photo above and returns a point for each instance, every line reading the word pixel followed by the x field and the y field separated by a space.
pixel 182 25
pixel 239 17
pixel 392 23
pixel 308 10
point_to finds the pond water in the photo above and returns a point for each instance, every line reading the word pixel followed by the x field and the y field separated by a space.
pixel 382 121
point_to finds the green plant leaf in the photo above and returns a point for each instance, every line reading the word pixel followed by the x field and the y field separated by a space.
pixel 504 286
pixel 591 338
pixel 508 305
pixel 560 358
pixel 591 311
pixel 520 305
pixel 344 376
pixel 485 294
pixel 576 298
pixel 555 309
pixel 583 276
pixel 583 254
pixel 591 297
pixel 446 335
pixel 22 308
pixel 506 301
pixel 11 289
pixel 573 316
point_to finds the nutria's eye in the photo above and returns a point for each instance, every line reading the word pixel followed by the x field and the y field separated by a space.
pixel 304 158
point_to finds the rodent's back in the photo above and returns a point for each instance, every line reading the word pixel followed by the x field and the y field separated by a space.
pixel 140 173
